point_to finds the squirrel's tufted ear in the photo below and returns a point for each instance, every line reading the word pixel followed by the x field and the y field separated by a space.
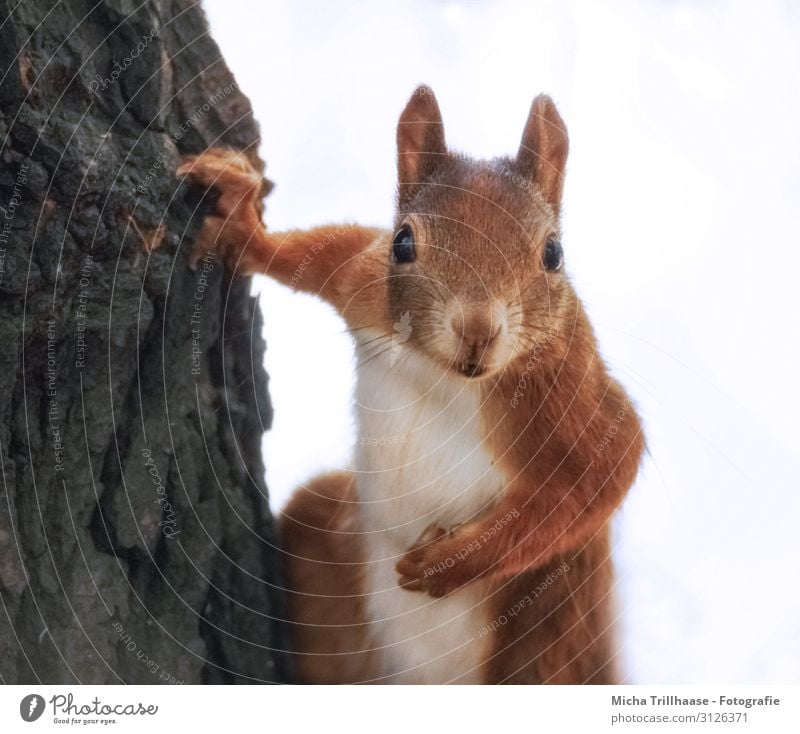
pixel 543 151
pixel 420 142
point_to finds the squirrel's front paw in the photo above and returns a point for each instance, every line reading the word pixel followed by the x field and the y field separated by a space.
pixel 238 213
pixel 239 184
pixel 431 564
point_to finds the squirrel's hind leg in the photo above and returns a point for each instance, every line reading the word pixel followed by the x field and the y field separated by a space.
pixel 322 570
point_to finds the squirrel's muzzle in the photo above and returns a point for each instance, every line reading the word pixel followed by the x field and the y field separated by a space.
pixel 476 331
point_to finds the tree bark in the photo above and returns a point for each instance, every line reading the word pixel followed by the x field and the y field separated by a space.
pixel 135 540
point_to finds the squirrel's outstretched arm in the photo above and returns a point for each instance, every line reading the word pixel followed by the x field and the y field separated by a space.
pixel 344 264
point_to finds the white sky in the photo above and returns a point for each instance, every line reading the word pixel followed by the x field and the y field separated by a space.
pixel 681 236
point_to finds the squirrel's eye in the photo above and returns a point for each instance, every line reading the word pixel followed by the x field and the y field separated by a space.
pixel 403 248
pixel 553 255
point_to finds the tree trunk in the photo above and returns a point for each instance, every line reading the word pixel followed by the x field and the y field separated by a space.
pixel 135 540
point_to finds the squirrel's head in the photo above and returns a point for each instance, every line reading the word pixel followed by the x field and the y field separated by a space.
pixel 476 260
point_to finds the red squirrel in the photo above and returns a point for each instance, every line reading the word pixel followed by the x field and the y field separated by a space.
pixel 470 542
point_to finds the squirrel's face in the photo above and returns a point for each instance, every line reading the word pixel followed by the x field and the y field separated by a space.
pixel 475 268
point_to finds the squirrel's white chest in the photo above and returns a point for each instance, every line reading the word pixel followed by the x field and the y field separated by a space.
pixel 420 458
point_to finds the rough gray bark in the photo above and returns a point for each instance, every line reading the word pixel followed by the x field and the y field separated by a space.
pixel 135 539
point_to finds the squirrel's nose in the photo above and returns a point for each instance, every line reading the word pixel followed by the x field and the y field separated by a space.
pixel 476 329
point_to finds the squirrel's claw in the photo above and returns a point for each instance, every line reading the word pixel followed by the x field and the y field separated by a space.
pixel 220 168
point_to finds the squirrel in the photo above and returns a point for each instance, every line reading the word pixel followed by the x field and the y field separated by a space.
pixel 470 541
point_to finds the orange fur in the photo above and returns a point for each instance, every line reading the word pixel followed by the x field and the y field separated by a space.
pixel 322 562
pixel 556 424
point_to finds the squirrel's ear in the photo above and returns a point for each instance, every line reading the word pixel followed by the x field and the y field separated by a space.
pixel 543 151
pixel 420 142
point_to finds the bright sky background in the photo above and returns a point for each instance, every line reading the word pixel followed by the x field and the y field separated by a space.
pixel 681 236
